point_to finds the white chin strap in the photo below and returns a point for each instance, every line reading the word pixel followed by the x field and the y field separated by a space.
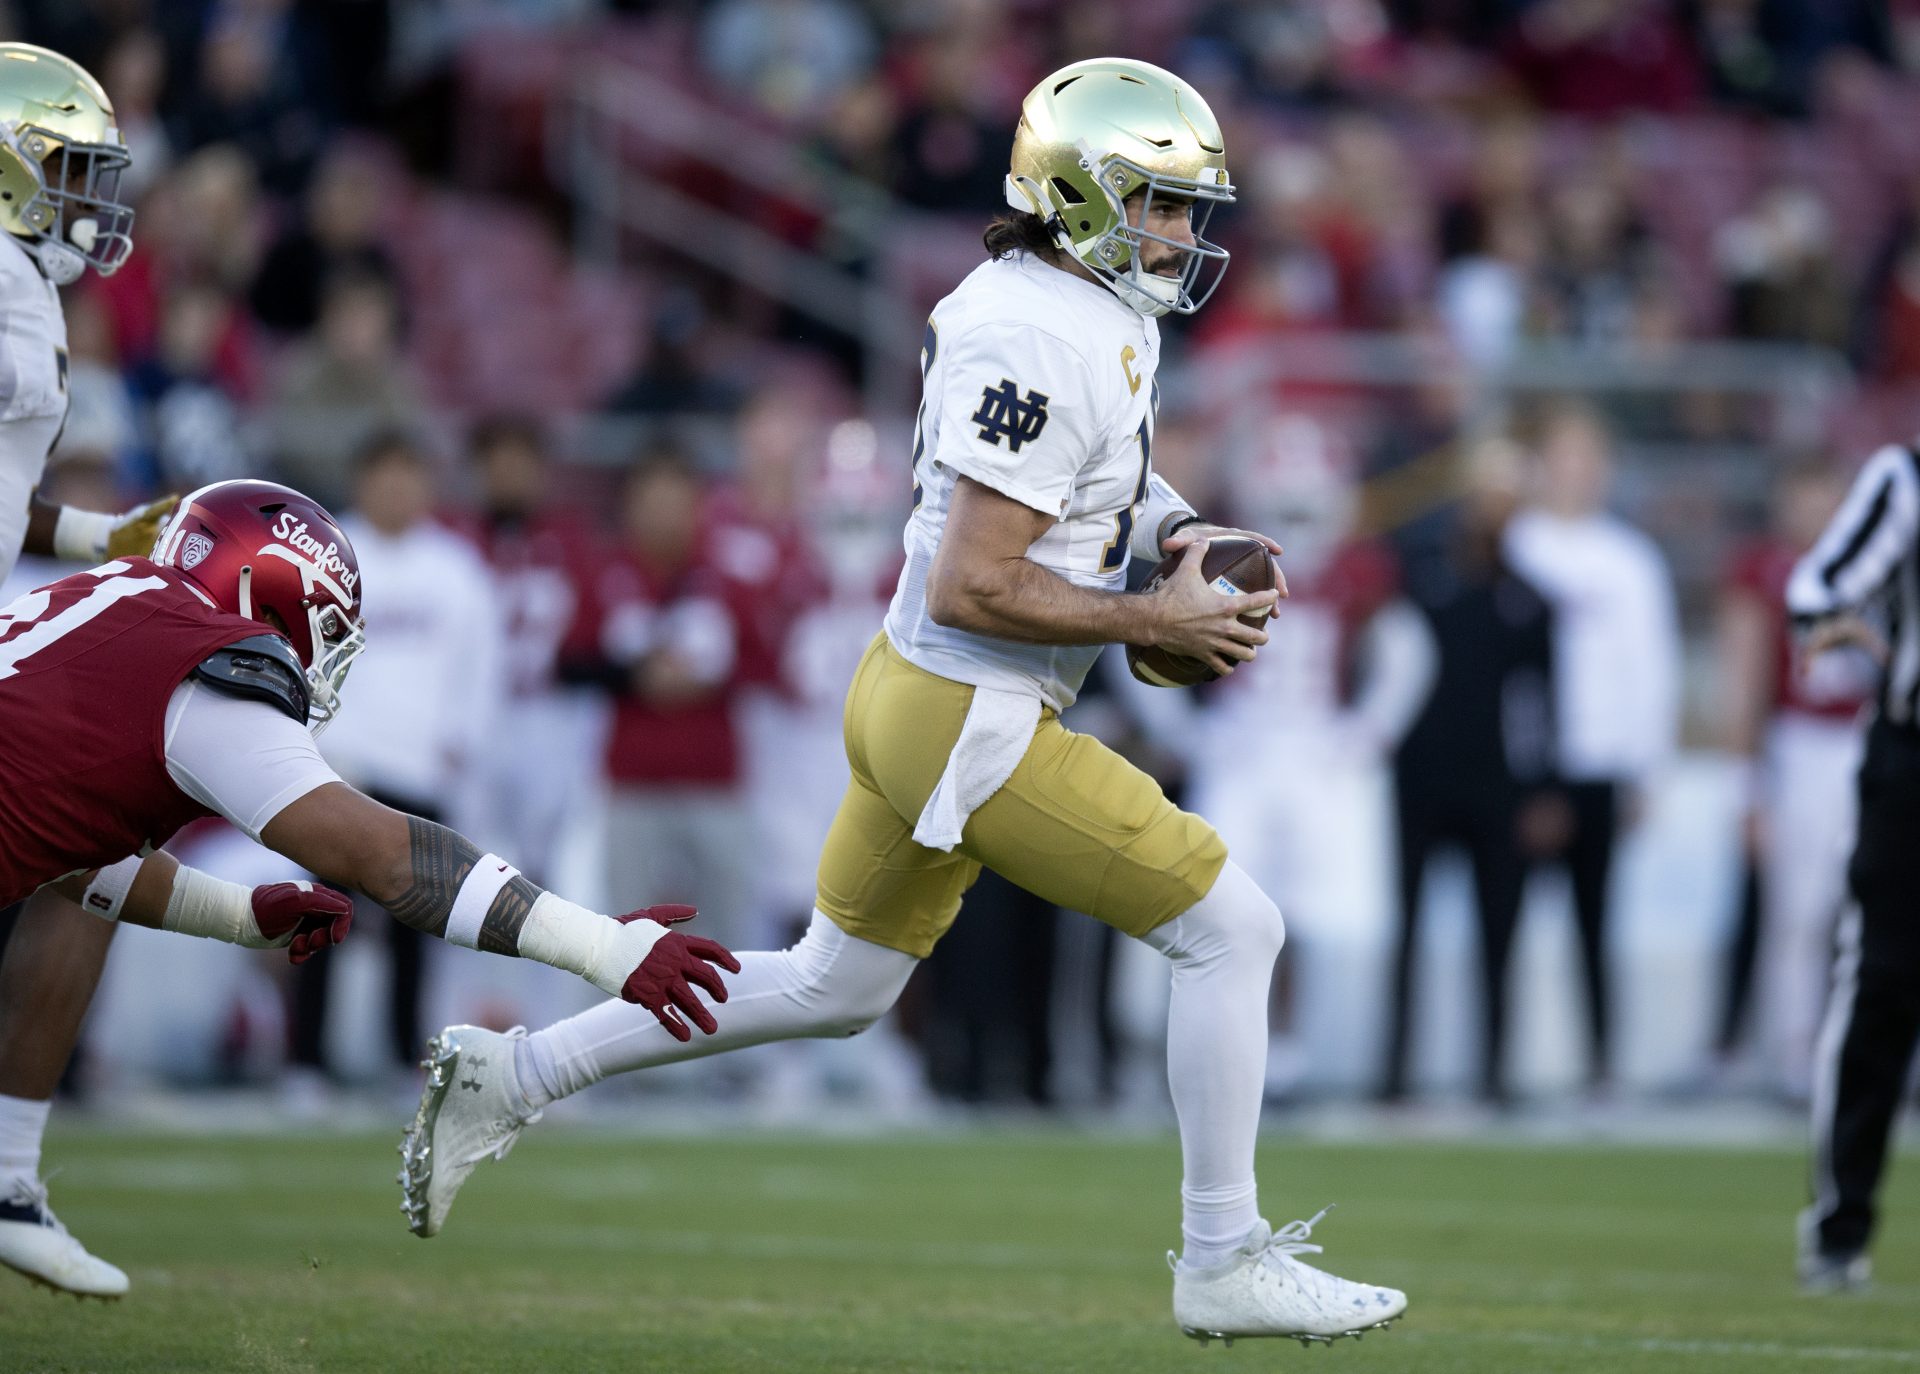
pixel 1148 293
pixel 62 265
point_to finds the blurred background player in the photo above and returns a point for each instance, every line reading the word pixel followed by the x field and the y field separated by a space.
pixel 543 551
pixel 426 712
pixel 1616 673
pixel 1475 769
pixel 671 625
pixel 1288 759
pixel 61 162
pixel 1798 736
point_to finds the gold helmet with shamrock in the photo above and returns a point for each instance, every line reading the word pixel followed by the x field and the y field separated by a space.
pixel 1097 133
pixel 61 160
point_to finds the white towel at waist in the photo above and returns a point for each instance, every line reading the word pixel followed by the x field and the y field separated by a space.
pixel 998 729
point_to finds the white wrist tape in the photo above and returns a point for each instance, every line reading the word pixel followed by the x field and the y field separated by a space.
pixel 80 536
pixel 596 947
pixel 476 894
pixel 107 893
pixel 207 906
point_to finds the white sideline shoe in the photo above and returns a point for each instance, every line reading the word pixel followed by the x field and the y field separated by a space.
pixel 33 1241
pixel 466 1115
pixel 1264 1291
pixel 1822 1273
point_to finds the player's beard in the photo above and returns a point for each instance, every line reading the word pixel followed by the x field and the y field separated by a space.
pixel 1167 265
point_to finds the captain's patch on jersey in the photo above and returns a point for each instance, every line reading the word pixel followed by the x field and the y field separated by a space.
pixel 1004 415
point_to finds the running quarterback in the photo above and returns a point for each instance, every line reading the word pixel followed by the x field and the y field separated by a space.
pixel 1033 486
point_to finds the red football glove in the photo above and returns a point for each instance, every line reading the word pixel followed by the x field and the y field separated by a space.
pixel 663 980
pixel 315 917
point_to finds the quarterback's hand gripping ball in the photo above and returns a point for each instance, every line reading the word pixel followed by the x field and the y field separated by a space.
pixel 133 534
pixel 301 916
pixel 1232 565
pixel 663 983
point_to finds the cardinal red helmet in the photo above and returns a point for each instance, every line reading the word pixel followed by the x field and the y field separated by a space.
pixel 258 547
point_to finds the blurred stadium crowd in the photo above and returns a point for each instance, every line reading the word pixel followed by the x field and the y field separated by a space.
pixel 601 321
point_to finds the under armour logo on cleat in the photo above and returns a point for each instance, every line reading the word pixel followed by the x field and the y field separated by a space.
pixel 473 1083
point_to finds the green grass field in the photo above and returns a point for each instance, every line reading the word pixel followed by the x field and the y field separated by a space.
pixel 996 1251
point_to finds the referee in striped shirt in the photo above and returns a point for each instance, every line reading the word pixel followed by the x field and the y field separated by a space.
pixel 1862 575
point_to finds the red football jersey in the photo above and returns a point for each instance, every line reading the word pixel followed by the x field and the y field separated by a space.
pixel 1761 570
pixel 87 666
pixel 542 570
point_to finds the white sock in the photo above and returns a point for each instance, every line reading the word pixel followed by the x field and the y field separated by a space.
pixel 1222 951
pixel 23 1122
pixel 828 984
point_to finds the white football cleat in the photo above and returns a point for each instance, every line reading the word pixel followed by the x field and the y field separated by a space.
pixel 1264 1291
pixel 466 1115
pixel 33 1241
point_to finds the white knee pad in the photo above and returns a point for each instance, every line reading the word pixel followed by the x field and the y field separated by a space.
pixel 1235 920
pixel 845 983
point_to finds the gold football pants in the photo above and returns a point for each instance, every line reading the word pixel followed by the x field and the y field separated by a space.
pixel 1076 824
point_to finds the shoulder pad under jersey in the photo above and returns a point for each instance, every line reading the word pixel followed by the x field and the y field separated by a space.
pixel 260 668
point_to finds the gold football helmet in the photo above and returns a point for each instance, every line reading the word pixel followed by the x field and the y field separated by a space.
pixel 1095 133
pixel 61 157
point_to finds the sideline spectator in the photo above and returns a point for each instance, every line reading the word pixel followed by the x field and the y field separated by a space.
pixel 1616 671
pixel 258 83
pixel 670 634
pixel 1285 760
pixel 338 232
pixel 1799 739
pixel 189 413
pixel 543 555
pixel 1782 277
pixel 1602 58
pixel 1473 771
pixel 1598 253
pixel 790 57
pixel 425 700
pixel 342 385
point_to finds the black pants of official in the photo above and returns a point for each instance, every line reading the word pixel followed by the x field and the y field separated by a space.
pixel 1868 1044
pixel 1486 828
pixel 989 1025
pixel 312 987
pixel 1588 860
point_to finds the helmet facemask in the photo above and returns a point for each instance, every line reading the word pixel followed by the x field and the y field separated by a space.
pixel 337 643
pixel 1098 132
pixel 1114 255
pixel 334 640
pixel 77 210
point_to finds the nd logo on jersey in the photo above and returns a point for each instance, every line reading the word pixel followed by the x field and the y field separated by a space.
pixel 1003 415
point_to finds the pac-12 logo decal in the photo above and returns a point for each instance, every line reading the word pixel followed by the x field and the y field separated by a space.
pixel 194 551
pixel 1003 415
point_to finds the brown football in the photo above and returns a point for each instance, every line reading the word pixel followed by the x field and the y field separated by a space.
pixel 1233 564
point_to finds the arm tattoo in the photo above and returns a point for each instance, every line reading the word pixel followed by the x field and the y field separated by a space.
pixel 500 928
pixel 442 858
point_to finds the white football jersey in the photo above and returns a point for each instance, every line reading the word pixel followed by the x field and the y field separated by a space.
pixel 33 386
pixel 1039 384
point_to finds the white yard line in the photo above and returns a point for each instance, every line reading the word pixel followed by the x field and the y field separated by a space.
pixel 1656 1345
